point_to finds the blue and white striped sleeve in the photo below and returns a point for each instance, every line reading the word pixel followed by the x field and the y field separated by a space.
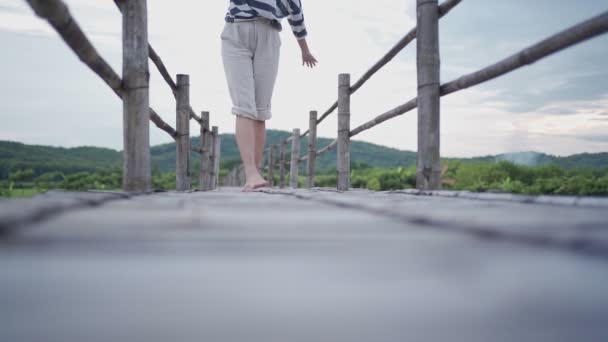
pixel 296 19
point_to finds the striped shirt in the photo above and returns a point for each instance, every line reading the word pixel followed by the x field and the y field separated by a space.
pixel 275 10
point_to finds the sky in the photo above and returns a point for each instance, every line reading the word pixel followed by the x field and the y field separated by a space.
pixel 558 105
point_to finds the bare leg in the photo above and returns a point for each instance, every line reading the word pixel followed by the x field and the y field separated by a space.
pixel 260 141
pixel 245 138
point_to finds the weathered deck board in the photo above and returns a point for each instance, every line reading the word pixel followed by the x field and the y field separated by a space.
pixel 356 266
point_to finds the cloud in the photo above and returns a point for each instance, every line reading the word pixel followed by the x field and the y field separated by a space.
pixel 99 20
pixel 594 137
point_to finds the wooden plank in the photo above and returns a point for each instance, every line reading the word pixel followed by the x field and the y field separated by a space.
pixel 15 213
pixel 428 167
pixel 312 149
pixel 365 257
pixel 137 174
pixel 294 161
pixel 182 143
pixel 343 139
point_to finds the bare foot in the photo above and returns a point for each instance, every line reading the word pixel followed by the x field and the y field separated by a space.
pixel 252 187
pixel 257 182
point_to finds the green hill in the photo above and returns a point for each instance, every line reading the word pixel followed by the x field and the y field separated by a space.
pixel 16 156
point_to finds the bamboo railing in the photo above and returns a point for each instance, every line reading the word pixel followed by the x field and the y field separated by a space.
pixel 133 90
pixel 428 170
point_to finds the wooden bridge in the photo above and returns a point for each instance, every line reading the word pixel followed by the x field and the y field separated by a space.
pixel 289 264
pixel 303 265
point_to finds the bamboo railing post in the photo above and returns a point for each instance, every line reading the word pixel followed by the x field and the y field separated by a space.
pixel 137 174
pixel 211 157
pixel 215 165
pixel 283 146
pixel 271 153
pixel 182 141
pixel 343 158
pixel 295 156
pixel 428 168
pixel 204 167
pixel 242 177
pixel 312 149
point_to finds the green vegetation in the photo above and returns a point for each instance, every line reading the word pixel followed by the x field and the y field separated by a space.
pixel 503 176
pixel 29 169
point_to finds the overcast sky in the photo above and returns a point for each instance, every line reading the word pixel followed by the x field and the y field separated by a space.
pixel 558 105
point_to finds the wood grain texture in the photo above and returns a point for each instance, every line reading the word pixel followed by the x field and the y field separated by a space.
pixel 136 113
pixel 428 167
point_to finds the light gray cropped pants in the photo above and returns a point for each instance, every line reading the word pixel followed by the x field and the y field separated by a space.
pixel 250 54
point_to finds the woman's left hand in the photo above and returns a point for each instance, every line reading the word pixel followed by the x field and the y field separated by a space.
pixel 308 59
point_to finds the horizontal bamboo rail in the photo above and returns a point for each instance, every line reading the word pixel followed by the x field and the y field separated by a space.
pixel 56 12
pixel 573 35
pixel 562 40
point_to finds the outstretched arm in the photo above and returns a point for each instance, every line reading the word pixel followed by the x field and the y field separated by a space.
pixel 296 20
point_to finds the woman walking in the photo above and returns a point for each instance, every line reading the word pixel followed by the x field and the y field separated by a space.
pixel 250 53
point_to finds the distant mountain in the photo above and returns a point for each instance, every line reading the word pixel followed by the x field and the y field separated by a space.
pixel 531 158
pixel 16 156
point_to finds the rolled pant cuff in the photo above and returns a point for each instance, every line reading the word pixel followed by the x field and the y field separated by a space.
pixel 259 116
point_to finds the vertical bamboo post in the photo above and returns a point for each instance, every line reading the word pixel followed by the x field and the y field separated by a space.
pixel 137 175
pixel 343 160
pixel 215 167
pixel 241 176
pixel 295 159
pixel 282 164
pixel 271 164
pixel 312 148
pixel 204 169
pixel 211 157
pixel 182 142
pixel 428 168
